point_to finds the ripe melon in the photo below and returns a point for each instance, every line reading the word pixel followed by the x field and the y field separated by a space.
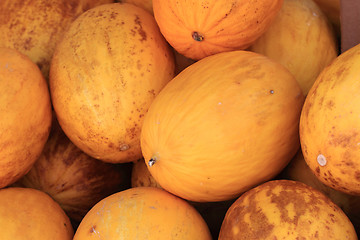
pixel 298 170
pixel 329 124
pixel 25 111
pixel 109 66
pixel 72 178
pixel 285 209
pixel 302 39
pixel 197 29
pixel 224 124
pixel 331 8
pixel 143 213
pixel 28 213
pixel 34 27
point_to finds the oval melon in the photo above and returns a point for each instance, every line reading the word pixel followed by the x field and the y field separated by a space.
pixel 34 27
pixel 285 209
pixel 105 72
pixel 25 111
pixel 329 124
pixel 142 213
pixel 28 213
pixel 224 124
pixel 302 39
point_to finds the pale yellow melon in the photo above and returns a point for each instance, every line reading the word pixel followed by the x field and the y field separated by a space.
pixel 105 72
pixel 302 39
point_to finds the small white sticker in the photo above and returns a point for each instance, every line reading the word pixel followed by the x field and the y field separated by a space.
pixel 321 159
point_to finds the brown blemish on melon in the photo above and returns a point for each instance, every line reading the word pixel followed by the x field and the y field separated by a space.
pixel 332 181
pixel 340 71
pixel 113 15
pixel 107 42
pixel 255 71
pixel 111 145
pixel 304 147
pixel 357 176
pixel 152 92
pixel 283 200
pixel 330 104
pixel 259 226
pixel 138 65
pixel 28 44
pixel 306 109
pixel 139 29
pixel 133 132
pixel 343 139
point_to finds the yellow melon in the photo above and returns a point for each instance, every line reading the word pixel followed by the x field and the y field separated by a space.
pixel 285 209
pixel 104 74
pixel 142 213
pixel 28 213
pixel 298 170
pixel 72 178
pixel 25 111
pixel 331 8
pixel 34 27
pixel 329 124
pixel 302 39
pixel 223 125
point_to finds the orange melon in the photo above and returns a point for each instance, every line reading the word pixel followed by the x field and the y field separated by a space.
pixel 72 178
pixel 25 111
pixel 197 29
pixel 224 124
pixel 212 212
pixel 142 213
pixel 181 62
pixel 28 213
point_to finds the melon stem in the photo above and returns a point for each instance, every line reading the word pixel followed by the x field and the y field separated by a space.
pixel 197 36
pixel 151 162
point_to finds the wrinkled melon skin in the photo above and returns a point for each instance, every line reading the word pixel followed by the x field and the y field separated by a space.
pixel 329 124
pixel 104 74
pixel 224 124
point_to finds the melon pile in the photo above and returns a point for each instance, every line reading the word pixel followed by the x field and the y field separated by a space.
pixel 193 120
